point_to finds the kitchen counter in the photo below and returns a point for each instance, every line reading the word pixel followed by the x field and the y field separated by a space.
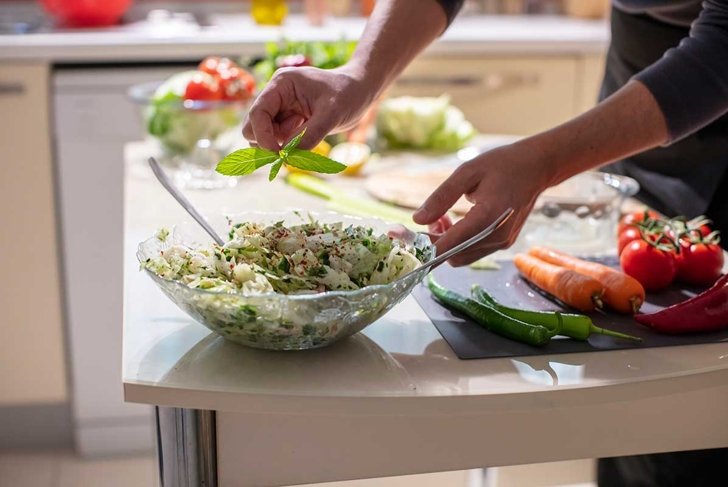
pixel 238 35
pixel 395 399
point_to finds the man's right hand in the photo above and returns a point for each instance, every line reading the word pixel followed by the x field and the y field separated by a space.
pixel 322 101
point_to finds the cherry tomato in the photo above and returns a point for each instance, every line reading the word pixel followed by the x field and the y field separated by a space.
pixel 628 234
pixel 214 65
pixel 699 263
pixel 705 230
pixel 654 268
pixel 202 86
pixel 236 84
pixel 633 218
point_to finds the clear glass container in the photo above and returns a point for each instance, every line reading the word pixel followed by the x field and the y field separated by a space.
pixel 192 136
pixel 278 321
pixel 579 215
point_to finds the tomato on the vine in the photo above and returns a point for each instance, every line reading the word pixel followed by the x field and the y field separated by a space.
pixel 635 217
pixel 628 234
pixel 203 87
pixel 699 263
pixel 654 267
pixel 704 230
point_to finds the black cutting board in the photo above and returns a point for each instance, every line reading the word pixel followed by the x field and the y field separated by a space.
pixel 471 341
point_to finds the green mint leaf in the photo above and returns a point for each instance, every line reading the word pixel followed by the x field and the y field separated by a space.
pixel 310 161
pixel 245 161
pixel 275 168
pixel 293 143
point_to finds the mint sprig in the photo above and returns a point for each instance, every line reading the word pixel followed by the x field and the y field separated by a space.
pixel 246 161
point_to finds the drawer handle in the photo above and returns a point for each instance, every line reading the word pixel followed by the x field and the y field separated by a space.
pixel 10 89
pixel 488 82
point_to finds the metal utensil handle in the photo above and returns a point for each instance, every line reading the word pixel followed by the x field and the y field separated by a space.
pixel 162 177
pixel 469 242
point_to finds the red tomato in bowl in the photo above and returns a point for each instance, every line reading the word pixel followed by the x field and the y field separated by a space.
pixel 654 268
pixel 699 263
pixel 87 13
pixel 215 66
pixel 203 87
pixel 236 84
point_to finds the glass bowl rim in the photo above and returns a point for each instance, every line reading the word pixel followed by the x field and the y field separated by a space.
pixel 622 185
pixel 142 93
pixel 274 295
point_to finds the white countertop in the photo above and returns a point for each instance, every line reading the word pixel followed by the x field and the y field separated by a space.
pixel 238 35
pixel 400 363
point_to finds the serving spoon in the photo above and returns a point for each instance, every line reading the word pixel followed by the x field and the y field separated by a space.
pixel 182 200
pixel 464 245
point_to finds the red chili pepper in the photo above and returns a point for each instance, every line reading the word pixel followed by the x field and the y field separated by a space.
pixel 708 311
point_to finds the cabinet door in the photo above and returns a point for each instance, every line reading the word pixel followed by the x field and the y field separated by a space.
pixel 32 364
pixel 506 95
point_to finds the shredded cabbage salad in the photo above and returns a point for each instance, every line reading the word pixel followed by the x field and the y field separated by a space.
pixel 307 258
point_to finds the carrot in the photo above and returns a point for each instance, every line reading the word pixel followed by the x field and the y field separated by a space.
pixel 621 292
pixel 577 290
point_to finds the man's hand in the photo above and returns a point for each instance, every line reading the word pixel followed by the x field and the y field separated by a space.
pixel 509 176
pixel 626 123
pixel 322 101
pixel 326 101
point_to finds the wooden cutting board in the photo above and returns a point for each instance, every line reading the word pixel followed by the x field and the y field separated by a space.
pixel 411 187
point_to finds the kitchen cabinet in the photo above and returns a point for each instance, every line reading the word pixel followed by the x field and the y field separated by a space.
pixel 32 357
pixel 509 94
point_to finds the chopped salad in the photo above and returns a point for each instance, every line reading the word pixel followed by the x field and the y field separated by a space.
pixel 306 258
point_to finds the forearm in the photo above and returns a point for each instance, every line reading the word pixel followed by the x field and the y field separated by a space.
pixel 396 33
pixel 628 122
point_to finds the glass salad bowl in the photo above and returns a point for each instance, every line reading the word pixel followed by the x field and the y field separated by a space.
pixel 278 321
pixel 192 136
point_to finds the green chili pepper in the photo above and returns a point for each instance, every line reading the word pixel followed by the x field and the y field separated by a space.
pixel 490 318
pixel 578 327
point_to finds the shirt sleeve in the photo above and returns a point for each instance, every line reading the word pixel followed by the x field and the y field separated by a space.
pixel 690 82
pixel 451 8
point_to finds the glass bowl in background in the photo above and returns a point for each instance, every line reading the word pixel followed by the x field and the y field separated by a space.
pixel 579 216
pixel 192 136
pixel 278 321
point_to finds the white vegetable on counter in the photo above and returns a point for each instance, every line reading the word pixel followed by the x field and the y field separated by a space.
pixel 423 123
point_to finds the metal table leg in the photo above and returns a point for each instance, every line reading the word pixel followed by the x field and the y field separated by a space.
pixel 186 447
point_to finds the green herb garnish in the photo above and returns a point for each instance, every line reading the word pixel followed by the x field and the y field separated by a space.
pixel 246 161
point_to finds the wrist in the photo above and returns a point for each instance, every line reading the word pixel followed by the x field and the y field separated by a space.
pixel 364 83
pixel 544 163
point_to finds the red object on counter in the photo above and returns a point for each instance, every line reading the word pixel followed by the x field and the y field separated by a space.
pixel 699 263
pixel 87 13
pixel 708 311
pixel 654 267
pixel 203 87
